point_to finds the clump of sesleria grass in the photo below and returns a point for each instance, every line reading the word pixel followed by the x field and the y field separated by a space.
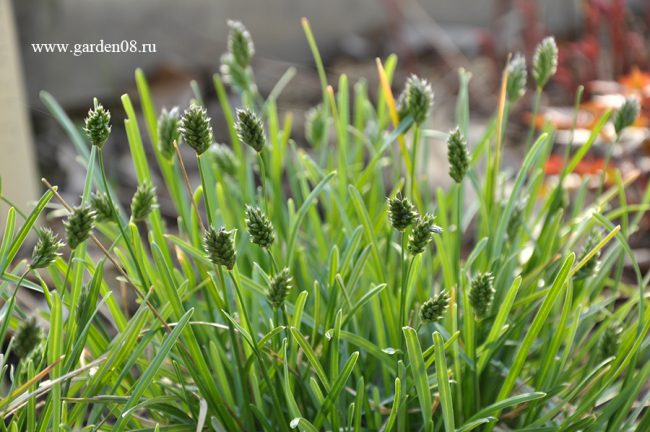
pixel 326 287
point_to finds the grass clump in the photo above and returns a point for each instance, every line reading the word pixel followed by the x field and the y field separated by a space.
pixel 339 304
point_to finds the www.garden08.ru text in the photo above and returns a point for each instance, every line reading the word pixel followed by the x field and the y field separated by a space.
pixel 101 47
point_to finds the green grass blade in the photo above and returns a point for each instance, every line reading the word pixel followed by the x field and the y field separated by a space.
pixel 499 406
pixel 337 387
pixel 446 401
pixel 152 370
pixel 539 320
pixel 419 376
pixel 312 358
pixel 302 212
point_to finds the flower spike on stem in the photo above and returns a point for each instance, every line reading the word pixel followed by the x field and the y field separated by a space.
pixel 46 249
pixel 219 247
pixel 98 124
pixel 434 308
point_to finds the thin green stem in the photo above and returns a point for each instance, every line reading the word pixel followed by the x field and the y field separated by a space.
pixel 276 323
pixel 11 204
pixel 475 375
pixel 15 293
pixel 274 263
pixel 574 123
pixel 417 132
pixel 208 210
pixel 536 105
pixel 244 311
pixel 239 362
pixel 608 157
pixel 118 219
pixel 265 375
pixel 403 288
pixel 454 314
pixel 260 160
pixel 285 316
pixel 459 231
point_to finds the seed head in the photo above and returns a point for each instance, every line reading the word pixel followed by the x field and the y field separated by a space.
pixel 250 129
pixel 195 128
pixel 28 336
pixel 434 308
pixel 259 227
pixel 143 202
pixel 224 158
pixel 418 98
pixel 279 287
pixel 610 341
pixel 458 155
pixel 46 249
pixel 516 221
pixel 517 75
pixel 35 356
pixel 626 115
pixel 240 43
pixel 78 225
pixel 592 265
pixel 98 124
pixel 481 294
pixel 402 108
pixel 545 61
pixel 101 205
pixel 233 73
pixel 401 213
pixel 168 132
pixel 220 247
pixel 316 125
pixel 422 234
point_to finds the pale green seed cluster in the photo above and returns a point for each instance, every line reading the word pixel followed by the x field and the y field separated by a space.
pixel 260 228
pixel 316 123
pixel 434 308
pixel 422 234
pixel 220 247
pixel 196 129
pixel 144 201
pixel 458 155
pixel 250 129
pixel 401 212
pixel 168 132
pixel 28 337
pixel 481 294
pixel 46 249
pixel 104 210
pixel 225 159
pixel 517 76
pixel 79 225
pixel 235 63
pixel 627 114
pixel 279 287
pixel 545 61
pixel 416 99
pixel 98 125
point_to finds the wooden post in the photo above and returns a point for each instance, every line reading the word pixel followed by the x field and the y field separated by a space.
pixel 17 166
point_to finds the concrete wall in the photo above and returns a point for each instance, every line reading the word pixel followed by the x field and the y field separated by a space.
pixel 17 167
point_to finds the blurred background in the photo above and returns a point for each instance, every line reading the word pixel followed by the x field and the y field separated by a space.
pixel 603 44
